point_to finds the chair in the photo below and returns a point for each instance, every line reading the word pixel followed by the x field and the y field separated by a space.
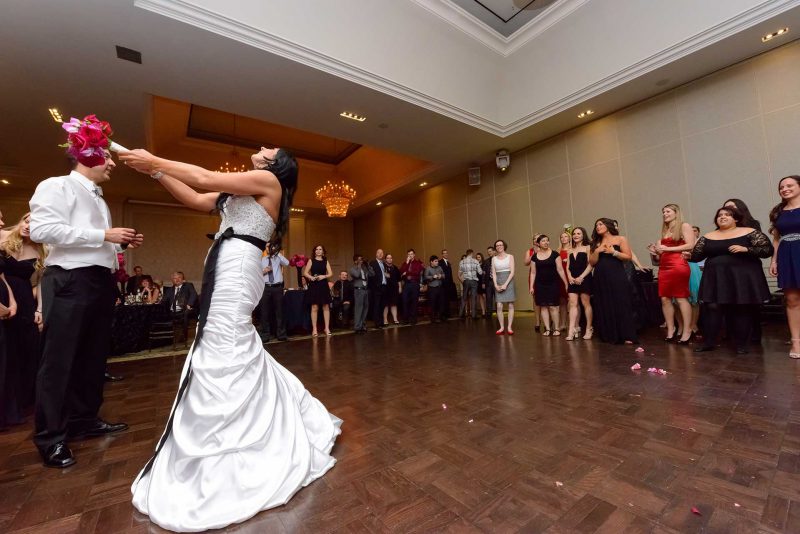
pixel 162 328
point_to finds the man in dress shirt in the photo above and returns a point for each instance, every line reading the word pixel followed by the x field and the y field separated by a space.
pixel 434 278
pixel 181 300
pixel 411 273
pixel 272 265
pixel 359 274
pixel 448 286
pixel 469 269
pixel 78 293
pixel 132 286
pixel 377 287
pixel 342 298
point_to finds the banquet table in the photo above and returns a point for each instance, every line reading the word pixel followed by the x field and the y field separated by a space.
pixel 130 327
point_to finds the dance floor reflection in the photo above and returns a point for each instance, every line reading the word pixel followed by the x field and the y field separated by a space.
pixel 449 428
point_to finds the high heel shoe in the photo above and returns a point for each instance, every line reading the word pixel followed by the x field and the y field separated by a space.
pixel 573 334
pixel 510 332
pixel 328 333
pixel 670 339
pixel 500 332
pixel 687 340
pixel 794 355
pixel 589 333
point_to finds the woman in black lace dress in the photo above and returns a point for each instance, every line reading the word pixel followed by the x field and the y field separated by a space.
pixel 318 272
pixel 733 277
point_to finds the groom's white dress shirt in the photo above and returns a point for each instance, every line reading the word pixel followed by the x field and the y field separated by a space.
pixel 69 214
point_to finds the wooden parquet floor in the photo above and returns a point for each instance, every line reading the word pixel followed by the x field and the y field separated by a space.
pixel 449 428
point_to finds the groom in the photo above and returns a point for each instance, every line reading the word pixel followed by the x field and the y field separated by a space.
pixel 78 292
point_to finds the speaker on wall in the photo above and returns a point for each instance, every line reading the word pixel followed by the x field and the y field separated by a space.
pixel 474 174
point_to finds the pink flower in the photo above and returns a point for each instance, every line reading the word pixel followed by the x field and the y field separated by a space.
pixel 635 367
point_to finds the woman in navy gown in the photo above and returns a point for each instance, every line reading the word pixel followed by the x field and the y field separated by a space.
pixel 785 228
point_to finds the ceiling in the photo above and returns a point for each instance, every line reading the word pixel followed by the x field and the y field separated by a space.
pixel 503 16
pixel 64 56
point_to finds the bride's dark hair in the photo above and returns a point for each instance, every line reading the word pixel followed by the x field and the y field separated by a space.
pixel 284 167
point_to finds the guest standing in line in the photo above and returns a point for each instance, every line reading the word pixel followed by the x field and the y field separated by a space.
pixel 469 272
pixel 317 272
pixel 359 274
pixel 579 276
pixel 449 286
pixel 696 270
pixel 733 277
pixel 528 258
pixel 392 290
pixel 271 303
pixel 378 287
pixel 784 222
pixel 78 296
pixel 565 242
pixel 434 278
pixel 677 237
pixel 481 284
pixel 10 413
pixel 750 222
pixel 411 274
pixel 613 315
pixel 488 282
pixel 545 281
pixel 503 276
pixel 24 267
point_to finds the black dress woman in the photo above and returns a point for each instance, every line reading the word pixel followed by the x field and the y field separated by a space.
pixel 733 278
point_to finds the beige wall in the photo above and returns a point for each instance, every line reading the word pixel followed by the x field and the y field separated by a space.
pixel 734 133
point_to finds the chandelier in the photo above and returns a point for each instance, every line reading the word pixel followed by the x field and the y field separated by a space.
pixel 336 198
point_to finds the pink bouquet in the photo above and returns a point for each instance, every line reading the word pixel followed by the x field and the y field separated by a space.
pixel 298 260
pixel 87 140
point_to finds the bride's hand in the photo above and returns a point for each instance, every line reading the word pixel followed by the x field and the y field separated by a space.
pixel 139 159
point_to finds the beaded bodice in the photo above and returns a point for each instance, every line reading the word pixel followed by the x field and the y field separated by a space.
pixel 247 217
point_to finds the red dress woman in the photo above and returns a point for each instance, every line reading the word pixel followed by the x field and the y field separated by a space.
pixel 673 271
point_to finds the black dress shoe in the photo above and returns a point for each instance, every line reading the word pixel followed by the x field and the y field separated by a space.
pixel 113 378
pixel 741 350
pixel 282 338
pixel 703 349
pixel 58 456
pixel 100 428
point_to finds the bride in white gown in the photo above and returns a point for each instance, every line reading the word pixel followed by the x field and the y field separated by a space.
pixel 244 434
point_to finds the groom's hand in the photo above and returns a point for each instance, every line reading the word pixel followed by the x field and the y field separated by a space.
pixel 137 241
pixel 120 236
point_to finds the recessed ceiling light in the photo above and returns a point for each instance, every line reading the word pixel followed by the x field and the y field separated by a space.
pixel 378 203
pixel 352 116
pixel 586 113
pixel 4 182
pixel 297 210
pixel 423 184
pixel 56 115
pixel 773 35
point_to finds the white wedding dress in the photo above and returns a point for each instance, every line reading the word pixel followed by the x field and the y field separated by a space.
pixel 245 435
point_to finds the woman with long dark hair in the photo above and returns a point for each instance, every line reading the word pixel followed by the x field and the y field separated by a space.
pixel 784 221
pixel 579 276
pixel 545 284
pixel 612 291
pixel 733 278
pixel 748 221
pixel 318 271
pixel 244 434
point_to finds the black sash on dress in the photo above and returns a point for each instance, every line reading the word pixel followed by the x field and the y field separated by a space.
pixel 209 277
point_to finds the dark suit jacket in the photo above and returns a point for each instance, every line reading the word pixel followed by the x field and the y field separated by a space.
pixel 448 285
pixel 187 295
pixel 375 277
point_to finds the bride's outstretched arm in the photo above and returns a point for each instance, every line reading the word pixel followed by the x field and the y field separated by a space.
pixel 256 182
pixel 187 196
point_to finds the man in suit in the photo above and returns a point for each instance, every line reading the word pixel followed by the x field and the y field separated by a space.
pixel 342 299
pixel 78 293
pixel 181 300
pixel 132 286
pixel 377 287
pixel 448 286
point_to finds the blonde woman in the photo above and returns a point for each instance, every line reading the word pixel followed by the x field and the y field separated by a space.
pixel 503 276
pixel 677 237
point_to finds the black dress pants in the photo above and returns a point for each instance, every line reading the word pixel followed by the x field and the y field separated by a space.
pixel 377 299
pixel 436 300
pixel 272 303
pixel 410 301
pixel 78 305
